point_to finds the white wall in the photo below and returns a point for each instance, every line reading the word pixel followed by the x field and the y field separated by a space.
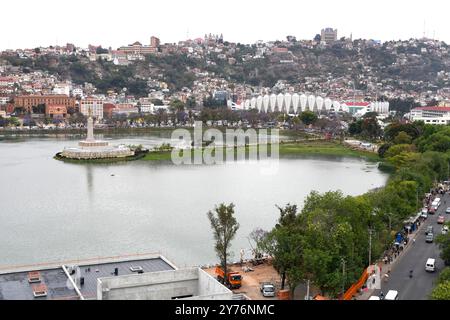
pixel 162 286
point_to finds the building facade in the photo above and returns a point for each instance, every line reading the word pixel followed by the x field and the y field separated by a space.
pixel 56 111
pixel 328 35
pixel 28 102
pixel 138 49
pixel 95 106
pixel 431 115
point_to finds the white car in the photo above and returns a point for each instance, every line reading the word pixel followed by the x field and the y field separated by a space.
pixel 444 230
pixel 391 295
pixel 268 290
pixel 430 266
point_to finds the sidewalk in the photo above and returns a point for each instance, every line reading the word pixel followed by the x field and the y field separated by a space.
pixel 385 268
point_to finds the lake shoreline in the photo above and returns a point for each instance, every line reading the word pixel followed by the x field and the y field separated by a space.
pixel 297 148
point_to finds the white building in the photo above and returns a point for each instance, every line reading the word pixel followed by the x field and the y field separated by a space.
pixel 77 92
pixel 4 100
pixel 62 88
pixel 95 105
pixel 186 284
pixel 431 115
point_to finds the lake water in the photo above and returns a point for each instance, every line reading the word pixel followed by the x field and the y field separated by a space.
pixel 52 211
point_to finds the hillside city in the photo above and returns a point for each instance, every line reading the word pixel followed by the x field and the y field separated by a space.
pixel 162 78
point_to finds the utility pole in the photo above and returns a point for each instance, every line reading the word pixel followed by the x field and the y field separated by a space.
pixel 390 218
pixel 370 247
pixel 343 276
pixel 307 289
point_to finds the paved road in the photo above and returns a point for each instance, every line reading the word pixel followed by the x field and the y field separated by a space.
pixel 422 283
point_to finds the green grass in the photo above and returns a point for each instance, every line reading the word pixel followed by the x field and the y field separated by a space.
pixel 321 148
pixel 325 148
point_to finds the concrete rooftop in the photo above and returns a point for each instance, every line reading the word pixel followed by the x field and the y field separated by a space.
pixel 15 286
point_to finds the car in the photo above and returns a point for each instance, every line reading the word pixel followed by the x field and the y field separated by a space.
pixel 267 289
pixel 429 230
pixel 444 230
pixel 447 211
pixel 429 238
pixel 432 210
pixel 374 298
pixel 441 220
pixel 424 213
pixel 391 295
pixel 430 266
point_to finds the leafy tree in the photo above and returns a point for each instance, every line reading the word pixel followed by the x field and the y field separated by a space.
pixel 442 291
pixel 13 121
pixel 355 127
pixel 224 226
pixel 383 149
pixel 177 105
pixel 370 128
pixel 403 138
pixel 444 275
pixel 308 117
pixel 258 236
pixel 411 129
pixel 444 244
pixel 283 243
pixel 398 149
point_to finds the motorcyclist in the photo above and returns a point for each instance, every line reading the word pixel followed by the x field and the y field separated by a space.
pixel 410 273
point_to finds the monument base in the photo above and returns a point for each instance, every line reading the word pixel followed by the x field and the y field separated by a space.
pixel 91 144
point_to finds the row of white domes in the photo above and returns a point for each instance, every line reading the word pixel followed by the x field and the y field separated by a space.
pixel 298 103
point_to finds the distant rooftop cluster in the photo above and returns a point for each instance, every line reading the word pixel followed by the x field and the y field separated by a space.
pixel 145 77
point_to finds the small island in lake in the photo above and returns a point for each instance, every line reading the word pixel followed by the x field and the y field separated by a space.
pixel 91 149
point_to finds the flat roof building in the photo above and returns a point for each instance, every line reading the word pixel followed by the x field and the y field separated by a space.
pixel 28 102
pixel 133 277
pixel 188 284
pixel 431 115
pixel 75 280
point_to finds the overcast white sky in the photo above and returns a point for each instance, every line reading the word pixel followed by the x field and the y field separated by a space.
pixel 32 23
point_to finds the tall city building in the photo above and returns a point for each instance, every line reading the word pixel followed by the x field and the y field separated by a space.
pixel 154 42
pixel 329 35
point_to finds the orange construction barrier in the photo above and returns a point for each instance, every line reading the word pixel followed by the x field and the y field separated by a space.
pixel 356 286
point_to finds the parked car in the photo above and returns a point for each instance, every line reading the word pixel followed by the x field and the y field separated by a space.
pixel 444 230
pixel 447 210
pixel 424 213
pixel 267 289
pixel 441 220
pixel 429 238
